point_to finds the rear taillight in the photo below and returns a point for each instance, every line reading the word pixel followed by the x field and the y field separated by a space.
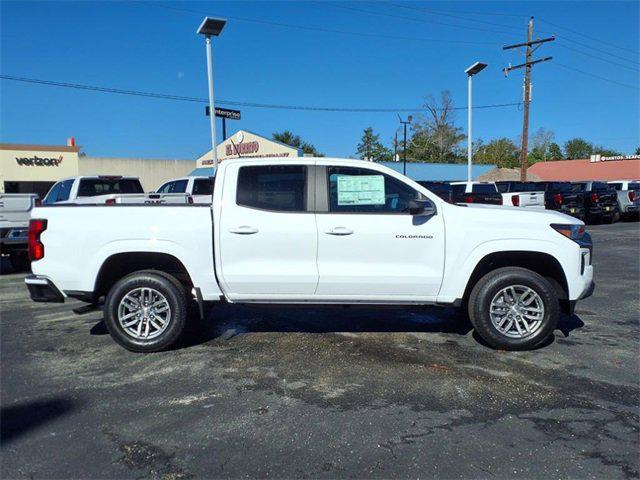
pixel 468 199
pixel 515 200
pixel 595 198
pixel 110 201
pixel 36 248
pixel 558 198
pixel 632 196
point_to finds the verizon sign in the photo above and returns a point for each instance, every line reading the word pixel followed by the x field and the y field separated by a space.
pixel 36 161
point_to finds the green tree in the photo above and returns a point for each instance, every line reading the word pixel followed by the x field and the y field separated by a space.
pixel 288 138
pixel 555 152
pixel 605 152
pixel 638 151
pixel 502 152
pixel 435 137
pixel 370 147
pixel 577 148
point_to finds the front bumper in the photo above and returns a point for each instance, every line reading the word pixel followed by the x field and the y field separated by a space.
pixel 42 289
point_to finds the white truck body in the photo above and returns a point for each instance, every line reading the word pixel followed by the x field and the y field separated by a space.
pixel 86 190
pixel 329 252
pixel 521 194
pixel 199 187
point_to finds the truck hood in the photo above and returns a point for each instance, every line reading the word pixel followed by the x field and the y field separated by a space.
pixel 522 214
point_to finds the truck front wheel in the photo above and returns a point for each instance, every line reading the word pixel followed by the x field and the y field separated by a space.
pixel 514 308
pixel 146 311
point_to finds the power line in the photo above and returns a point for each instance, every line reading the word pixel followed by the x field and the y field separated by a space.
pixel 598 50
pixel 589 37
pixel 411 19
pixel 633 69
pixel 635 87
pixel 164 96
pixel 320 29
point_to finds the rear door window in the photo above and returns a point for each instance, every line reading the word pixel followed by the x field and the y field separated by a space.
pixel 279 188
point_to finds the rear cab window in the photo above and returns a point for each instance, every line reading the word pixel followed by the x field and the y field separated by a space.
pixel 203 186
pixel 91 187
pixel 278 188
pixel 483 188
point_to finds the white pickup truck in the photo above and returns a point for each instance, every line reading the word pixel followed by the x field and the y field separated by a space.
pixel 312 231
pixel 107 189
pixel 200 188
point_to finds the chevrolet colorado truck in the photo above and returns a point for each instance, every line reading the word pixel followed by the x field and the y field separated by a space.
pixel 521 194
pixel 199 187
pixel 311 231
pixel 15 212
pixel 476 192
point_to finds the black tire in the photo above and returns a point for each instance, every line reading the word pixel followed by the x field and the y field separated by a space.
pixel 174 293
pixel 488 287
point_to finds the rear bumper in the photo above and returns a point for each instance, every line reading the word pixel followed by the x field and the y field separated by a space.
pixel 42 289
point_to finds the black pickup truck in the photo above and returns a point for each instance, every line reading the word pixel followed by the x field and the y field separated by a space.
pixel 600 201
pixel 465 192
pixel 561 197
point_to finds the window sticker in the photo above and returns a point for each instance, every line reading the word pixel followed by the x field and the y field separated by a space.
pixel 361 190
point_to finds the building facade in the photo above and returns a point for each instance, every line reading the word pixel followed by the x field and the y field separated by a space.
pixel 595 168
pixel 35 168
pixel 245 144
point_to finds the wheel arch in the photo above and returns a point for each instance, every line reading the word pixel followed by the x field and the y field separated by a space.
pixel 120 264
pixel 542 263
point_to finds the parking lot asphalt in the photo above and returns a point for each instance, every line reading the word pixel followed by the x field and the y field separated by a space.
pixel 325 393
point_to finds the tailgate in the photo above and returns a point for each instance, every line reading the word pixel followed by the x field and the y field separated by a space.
pixel 15 209
pixel 531 199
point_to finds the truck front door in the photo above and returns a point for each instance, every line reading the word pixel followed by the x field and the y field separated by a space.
pixel 267 233
pixel 370 247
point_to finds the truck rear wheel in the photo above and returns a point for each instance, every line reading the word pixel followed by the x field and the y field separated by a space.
pixel 514 308
pixel 146 311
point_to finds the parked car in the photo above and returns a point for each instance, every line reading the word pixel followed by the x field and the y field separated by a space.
pixel 312 231
pixel 600 201
pixel 521 194
pixel 200 188
pixel 560 196
pixel 15 211
pixel 108 189
pixel 628 197
pixel 443 189
pixel 476 192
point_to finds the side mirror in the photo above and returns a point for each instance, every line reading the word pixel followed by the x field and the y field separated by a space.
pixel 423 208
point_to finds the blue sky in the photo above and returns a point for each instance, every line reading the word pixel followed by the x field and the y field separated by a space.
pixel 153 47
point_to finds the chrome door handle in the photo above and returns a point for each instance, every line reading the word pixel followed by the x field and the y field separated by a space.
pixel 244 230
pixel 340 231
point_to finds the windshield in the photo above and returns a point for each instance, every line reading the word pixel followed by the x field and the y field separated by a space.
pixel 90 187
pixel 578 187
pixel 484 188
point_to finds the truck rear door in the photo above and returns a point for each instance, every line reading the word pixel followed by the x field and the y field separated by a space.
pixel 267 232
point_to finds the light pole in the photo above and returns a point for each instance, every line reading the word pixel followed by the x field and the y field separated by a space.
pixel 211 27
pixel 471 71
pixel 404 153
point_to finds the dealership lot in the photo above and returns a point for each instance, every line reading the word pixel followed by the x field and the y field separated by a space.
pixel 331 392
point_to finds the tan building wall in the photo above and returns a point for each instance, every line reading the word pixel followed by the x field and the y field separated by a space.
pixel 152 172
pixel 248 145
pixel 36 163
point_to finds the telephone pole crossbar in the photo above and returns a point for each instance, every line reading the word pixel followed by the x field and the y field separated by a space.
pixel 527 88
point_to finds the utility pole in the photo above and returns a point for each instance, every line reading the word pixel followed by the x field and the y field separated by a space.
pixel 527 88
pixel 404 155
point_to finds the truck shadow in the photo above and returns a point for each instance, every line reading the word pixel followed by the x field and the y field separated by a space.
pixel 227 321
pixel 20 418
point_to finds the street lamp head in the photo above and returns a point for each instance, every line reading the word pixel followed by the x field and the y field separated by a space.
pixel 211 26
pixel 475 68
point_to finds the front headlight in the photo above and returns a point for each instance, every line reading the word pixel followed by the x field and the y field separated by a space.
pixel 572 232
